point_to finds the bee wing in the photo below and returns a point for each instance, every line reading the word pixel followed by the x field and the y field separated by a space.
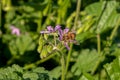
pixel 75 42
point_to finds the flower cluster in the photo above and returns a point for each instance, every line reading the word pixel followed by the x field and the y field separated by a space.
pixel 64 35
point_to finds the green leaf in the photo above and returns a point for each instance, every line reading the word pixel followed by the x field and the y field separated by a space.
pixel 88 76
pixel 95 8
pixel 12 48
pixel 85 78
pixel 30 76
pixel 105 14
pixel 10 73
pixel 56 72
pixel 25 43
pixel 38 73
pixel 18 73
pixel 17 68
pixel 113 69
pixel 39 69
pixel 85 62
pixel 87 22
pixel 83 36
pixel 6 38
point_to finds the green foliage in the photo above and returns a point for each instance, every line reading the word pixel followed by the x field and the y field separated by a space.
pixel 18 73
pixel 85 63
pixel 105 14
pixel 14 72
pixel 21 44
pixel 113 68
pixel 97 32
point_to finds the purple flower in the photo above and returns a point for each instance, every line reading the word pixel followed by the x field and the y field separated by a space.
pixel 67 37
pixel 15 30
pixel 50 29
pixel 61 34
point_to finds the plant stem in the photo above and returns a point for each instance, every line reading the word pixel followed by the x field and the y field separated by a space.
pixel 98 39
pixel 115 29
pixel 108 76
pixel 77 12
pixel 68 58
pixel 45 59
pixel 13 58
pixel 39 21
pixel 99 52
pixel 39 62
pixel 55 40
pixel 98 43
pixel 63 67
pixel 75 24
pixel 97 64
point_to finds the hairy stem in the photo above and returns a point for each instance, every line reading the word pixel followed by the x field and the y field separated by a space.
pixel 111 37
pixel 98 43
pixel 75 24
pixel 97 64
pixel 55 40
pixel 39 21
pixel 77 13
pixel 63 67
pixel 45 59
pixel 108 76
pixel 115 29
pixel 28 66
pixel 99 51
pixel 68 58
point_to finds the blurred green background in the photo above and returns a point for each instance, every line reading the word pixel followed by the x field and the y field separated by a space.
pixel 96 23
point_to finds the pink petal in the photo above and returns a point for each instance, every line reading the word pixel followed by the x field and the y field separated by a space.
pixel 65 30
pixel 58 27
pixel 44 32
pixel 66 45
pixel 49 28
pixel 60 32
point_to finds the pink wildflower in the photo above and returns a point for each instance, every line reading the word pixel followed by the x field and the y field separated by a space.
pixel 15 30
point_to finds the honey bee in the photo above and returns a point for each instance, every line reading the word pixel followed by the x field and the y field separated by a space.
pixel 69 37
